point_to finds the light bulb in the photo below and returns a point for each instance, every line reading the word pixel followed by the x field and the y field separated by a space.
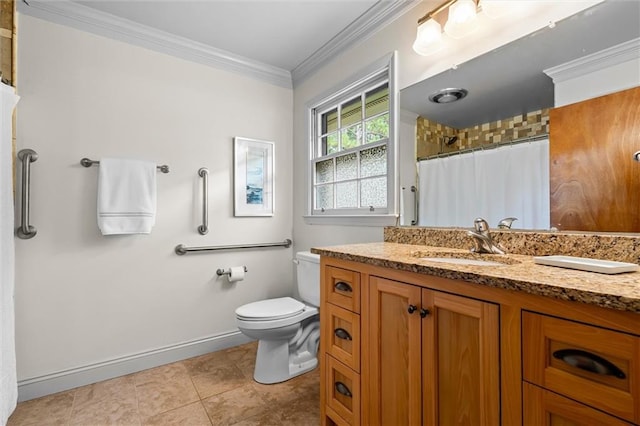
pixel 429 38
pixel 462 19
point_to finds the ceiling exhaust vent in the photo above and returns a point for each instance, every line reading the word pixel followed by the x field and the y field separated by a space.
pixel 446 96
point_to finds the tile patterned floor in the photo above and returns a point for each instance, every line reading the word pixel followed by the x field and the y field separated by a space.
pixel 212 389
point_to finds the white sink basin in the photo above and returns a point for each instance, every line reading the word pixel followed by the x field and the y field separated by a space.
pixel 461 261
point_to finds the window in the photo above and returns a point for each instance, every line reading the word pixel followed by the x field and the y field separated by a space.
pixel 352 172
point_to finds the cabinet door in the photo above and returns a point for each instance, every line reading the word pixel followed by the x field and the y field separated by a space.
pixel 394 382
pixel 460 360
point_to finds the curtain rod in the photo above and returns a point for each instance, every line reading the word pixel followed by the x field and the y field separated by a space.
pixel 485 147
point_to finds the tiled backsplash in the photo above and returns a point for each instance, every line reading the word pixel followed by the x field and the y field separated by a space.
pixel 619 247
pixel 429 134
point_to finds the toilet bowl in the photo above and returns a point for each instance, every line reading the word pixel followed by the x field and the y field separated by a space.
pixel 287 330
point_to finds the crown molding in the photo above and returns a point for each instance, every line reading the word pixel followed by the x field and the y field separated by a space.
pixel 606 58
pixel 75 15
pixel 372 21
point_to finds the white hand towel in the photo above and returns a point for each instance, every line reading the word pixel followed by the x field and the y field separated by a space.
pixel 126 196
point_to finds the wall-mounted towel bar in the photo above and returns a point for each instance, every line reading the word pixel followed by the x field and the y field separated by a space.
pixel 26 231
pixel 182 249
pixel 88 163
pixel 204 174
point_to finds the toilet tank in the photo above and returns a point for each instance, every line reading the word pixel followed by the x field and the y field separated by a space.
pixel 308 273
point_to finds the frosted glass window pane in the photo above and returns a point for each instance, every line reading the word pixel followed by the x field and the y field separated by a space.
pixel 329 121
pixel 324 197
pixel 347 195
pixel 330 143
pixel 324 171
pixel 351 112
pixel 347 167
pixel 377 101
pixel 373 192
pixel 373 161
pixel 351 136
pixel 377 128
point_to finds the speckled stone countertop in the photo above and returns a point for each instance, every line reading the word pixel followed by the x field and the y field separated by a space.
pixel 518 272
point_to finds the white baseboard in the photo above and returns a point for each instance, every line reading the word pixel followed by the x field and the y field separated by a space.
pixel 68 379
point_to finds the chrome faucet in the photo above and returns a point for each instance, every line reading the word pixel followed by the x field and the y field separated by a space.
pixel 506 222
pixel 482 238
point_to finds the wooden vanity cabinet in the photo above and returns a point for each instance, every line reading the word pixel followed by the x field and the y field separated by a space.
pixel 434 357
pixel 425 350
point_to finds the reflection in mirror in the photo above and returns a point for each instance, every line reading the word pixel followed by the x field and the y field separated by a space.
pixel 509 94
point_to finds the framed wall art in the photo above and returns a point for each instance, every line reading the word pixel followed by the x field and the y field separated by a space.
pixel 253 177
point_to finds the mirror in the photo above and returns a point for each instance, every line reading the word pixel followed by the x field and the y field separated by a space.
pixel 510 81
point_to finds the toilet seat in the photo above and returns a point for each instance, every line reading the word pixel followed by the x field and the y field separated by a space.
pixel 270 309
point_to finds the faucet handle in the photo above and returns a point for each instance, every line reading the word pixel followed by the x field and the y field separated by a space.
pixel 480 225
pixel 506 222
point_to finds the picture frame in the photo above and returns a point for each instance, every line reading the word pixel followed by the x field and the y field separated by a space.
pixel 253 177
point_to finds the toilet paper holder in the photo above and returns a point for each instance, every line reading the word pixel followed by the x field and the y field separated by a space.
pixel 221 272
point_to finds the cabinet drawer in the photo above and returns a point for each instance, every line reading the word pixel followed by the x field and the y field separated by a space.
pixel 343 391
pixel 596 366
pixel 342 288
pixel 545 408
pixel 342 332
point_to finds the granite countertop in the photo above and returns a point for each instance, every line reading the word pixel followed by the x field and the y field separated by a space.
pixel 518 272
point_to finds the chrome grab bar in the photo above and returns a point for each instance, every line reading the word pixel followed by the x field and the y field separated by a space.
pixel 204 174
pixel 26 231
pixel 416 205
pixel 182 249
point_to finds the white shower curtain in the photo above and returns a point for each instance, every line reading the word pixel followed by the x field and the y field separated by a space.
pixel 8 380
pixel 509 181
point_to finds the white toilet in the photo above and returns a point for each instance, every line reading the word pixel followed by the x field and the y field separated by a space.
pixel 288 330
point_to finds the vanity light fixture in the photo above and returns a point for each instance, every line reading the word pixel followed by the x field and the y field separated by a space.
pixel 460 23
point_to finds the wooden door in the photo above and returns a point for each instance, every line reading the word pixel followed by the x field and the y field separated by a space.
pixel 394 380
pixel 461 363
pixel 594 181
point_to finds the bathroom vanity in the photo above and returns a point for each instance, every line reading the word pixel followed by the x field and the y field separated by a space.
pixel 406 340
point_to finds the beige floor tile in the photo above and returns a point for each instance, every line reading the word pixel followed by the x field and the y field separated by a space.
pixel 304 386
pixel 215 373
pixel 49 410
pixel 164 388
pixel 206 363
pixel 301 412
pixel 109 402
pixel 171 395
pixel 189 415
pixel 230 407
pixel 246 351
pixel 268 419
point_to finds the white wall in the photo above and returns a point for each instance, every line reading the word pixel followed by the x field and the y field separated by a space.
pixel 398 36
pixel 82 298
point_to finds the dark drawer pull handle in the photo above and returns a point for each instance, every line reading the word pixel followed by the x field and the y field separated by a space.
pixel 342 286
pixel 588 362
pixel 343 389
pixel 341 333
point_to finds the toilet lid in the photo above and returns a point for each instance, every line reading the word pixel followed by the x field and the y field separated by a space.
pixel 270 309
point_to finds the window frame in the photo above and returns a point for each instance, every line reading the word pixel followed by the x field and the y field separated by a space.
pixel 382 70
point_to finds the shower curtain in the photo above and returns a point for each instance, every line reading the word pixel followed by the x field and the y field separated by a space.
pixel 8 379
pixel 509 181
